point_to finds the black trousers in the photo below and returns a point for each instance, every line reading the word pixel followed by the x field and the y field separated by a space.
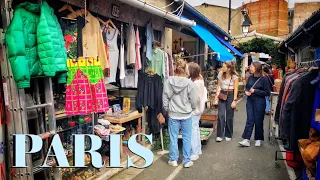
pixel 255 116
pixel 225 117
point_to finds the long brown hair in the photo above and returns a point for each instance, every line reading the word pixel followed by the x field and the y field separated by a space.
pixel 258 66
pixel 232 69
pixel 194 71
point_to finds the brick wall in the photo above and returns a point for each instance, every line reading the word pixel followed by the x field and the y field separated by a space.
pixel 303 11
pixel 219 15
pixel 269 17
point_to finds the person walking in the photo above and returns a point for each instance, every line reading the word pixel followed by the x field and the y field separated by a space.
pixel 228 81
pixel 201 92
pixel 266 72
pixel 180 100
pixel 257 89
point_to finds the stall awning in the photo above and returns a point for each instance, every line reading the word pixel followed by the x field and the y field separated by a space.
pixel 229 46
pixel 222 53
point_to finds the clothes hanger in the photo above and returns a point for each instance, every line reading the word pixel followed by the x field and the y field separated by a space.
pixel 150 72
pixel 112 25
pixel 69 8
pixel 66 7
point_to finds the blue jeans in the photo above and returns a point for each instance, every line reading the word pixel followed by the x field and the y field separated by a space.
pixel 268 107
pixel 186 127
pixel 195 139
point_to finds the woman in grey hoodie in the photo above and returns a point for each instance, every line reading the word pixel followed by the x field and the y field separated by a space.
pixel 179 100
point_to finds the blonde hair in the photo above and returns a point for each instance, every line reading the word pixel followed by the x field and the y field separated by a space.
pixel 180 67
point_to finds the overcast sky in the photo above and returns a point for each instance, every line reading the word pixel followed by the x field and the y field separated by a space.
pixel 237 3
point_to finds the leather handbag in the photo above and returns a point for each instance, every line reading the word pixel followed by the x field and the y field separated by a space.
pixel 222 96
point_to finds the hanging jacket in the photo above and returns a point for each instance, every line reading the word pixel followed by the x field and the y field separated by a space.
pixel 51 47
pixel 29 37
pixel 21 39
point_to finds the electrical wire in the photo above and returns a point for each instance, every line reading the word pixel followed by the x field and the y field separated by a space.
pixel 181 9
pixel 167 5
pixel 178 9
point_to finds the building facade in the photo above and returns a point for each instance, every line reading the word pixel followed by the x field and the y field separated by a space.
pixel 269 17
pixel 219 15
pixel 303 11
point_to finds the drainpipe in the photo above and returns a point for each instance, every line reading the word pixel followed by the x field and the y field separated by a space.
pixel 159 12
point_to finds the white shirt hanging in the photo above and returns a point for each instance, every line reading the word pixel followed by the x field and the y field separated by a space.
pixel 112 42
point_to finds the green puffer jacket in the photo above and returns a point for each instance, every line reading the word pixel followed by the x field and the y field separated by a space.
pixel 35 47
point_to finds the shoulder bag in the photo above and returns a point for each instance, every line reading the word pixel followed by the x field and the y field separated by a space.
pixel 223 96
pixel 274 89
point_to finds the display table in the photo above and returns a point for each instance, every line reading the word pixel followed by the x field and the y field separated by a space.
pixel 125 120
pixel 210 115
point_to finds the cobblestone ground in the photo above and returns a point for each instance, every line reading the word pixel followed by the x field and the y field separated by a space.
pixel 219 161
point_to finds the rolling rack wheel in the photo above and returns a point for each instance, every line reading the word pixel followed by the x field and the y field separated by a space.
pixel 288 160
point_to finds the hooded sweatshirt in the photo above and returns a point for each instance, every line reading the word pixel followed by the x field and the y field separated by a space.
pixel 179 97
pixel 201 92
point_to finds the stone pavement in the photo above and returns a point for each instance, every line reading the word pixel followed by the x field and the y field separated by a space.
pixel 219 161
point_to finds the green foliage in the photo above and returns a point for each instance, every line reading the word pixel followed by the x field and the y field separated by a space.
pixel 156 145
pixel 261 45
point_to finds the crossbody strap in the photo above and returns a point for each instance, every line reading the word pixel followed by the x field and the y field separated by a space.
pixel 255 83
pixel 270 80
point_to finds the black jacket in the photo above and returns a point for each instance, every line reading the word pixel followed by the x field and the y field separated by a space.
pixel 297 111
pixel 261 88
pixel 282 87
pixel 150 89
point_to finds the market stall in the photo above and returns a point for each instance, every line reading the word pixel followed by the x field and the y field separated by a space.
pixel 91 66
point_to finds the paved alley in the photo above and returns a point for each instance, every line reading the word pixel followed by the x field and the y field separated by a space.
pixel 220 161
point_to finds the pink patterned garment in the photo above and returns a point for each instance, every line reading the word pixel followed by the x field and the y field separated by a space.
pixel 100 98
pixel 72 99
pixel 79 96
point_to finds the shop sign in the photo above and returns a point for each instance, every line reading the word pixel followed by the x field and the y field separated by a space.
pixel 115 11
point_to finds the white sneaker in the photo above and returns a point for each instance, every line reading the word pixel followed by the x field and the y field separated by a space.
pixel 194 157
pixel 189 164
pixel 258 143
pixel 228 139
pixel 219 139
pixel 245 143
pixel 173 163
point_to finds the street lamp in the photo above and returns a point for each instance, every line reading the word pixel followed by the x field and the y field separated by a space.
pixel 245 27
pixel 246 22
